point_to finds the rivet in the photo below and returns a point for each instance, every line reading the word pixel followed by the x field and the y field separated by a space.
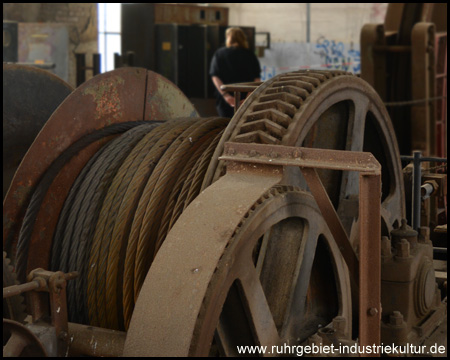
pixel 273 155
pixel 373 311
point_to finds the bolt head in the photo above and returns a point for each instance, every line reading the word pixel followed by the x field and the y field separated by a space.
pixel 396 318
pixel 403 248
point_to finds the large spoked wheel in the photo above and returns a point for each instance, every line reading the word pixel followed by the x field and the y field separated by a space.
pixel 282 275
pixel 325 110
pixel 240 269
pixel 276 279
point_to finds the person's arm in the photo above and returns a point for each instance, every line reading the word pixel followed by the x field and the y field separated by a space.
pixel 227 96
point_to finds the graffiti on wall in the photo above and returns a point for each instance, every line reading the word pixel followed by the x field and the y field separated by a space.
pixel 268 72
pixel 321 55
pixel 338 56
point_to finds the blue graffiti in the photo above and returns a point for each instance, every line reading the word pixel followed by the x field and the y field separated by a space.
pixel 337 57
pixel 356 58
pixel 268 72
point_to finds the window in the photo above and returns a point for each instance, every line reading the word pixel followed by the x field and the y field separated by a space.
pixel 109 34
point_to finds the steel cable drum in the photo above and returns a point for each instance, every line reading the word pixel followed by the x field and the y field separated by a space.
pixel 30 96
pixel 119 96
pixel 85 208
pixel 139 172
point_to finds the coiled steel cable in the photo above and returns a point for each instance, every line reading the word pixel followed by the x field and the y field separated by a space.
pixel 201 171
pixel 120 209
pixel 124 216
pixel 104 229
pixel 24 237
pixel 59 253
pixel 158 183
pixel 119 183
pixel 181 179
pixel 187 185
pixel 86 209
pixel 202 133
pixel 113 274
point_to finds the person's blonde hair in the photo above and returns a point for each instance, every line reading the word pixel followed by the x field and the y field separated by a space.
pixel 236 37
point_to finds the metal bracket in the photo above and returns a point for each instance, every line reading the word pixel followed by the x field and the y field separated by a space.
pixel 367 271
pixel 238 89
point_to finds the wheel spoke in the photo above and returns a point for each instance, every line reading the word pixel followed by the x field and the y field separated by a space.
pixel 350 179
pixel 263 324
pixel 297 308
pixel 355 140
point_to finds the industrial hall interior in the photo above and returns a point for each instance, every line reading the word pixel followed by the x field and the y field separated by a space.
pixel 225 179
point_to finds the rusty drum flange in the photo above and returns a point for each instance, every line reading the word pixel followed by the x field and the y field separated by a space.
pixel 123 95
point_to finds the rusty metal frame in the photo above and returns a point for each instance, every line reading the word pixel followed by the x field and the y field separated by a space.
pixel 441 91
pixel 423 77
pixel 238 89
pixel 377 42
pixel 367 271
pixel 71 338
pixel 54 283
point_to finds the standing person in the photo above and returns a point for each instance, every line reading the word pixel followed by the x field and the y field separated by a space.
pixel 234 63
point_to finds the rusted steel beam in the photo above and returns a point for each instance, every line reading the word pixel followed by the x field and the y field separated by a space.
pixel 423 74
pixel 332 219
pixel 303 157
pixel 369 259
